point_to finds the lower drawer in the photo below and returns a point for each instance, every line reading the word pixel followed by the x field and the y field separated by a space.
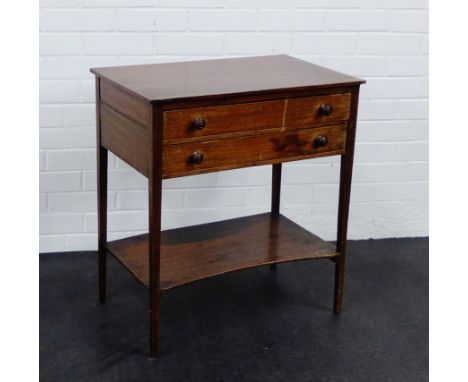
pixel 197 157
pixel 222 154
pixel 292 145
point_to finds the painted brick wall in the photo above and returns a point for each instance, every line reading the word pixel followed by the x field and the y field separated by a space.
pixel 383 41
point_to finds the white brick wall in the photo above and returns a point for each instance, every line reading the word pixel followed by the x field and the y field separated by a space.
pixel 383 41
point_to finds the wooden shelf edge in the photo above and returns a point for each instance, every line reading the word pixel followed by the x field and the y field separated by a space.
pixel 194 253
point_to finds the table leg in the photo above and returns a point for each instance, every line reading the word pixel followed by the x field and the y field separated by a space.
pixel 154 258
pixel 154 204
pixel 275 192
pixel 346 172
pixel 343 210
pixel 102 219
pixel 101 172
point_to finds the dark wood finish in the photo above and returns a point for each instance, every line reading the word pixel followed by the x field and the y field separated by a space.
pixel 218 78
pixel 275 192
pixel 154 238
pixel 252 97
pixel 128 105
pixel 346 172
pixel 180 126
pixel 221 153
pixel 306 112
pixel 275 188
pixel 101 172
pixel 170 120
pixel 194 253
pixel 266 148
pixel 127 139
pixel 299 143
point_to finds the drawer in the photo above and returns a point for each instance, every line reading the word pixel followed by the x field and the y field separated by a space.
pixel 305 112
pixel 214 155
pixel 301 143
pixel 195 157
pixel 188 124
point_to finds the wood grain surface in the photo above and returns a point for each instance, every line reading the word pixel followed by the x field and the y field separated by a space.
pixel 304 112
pixel 222 77
pixel 197 252
pixel 178 119
pixel 239 152
pixel 126 103
pixel 125 138
pixel 244 117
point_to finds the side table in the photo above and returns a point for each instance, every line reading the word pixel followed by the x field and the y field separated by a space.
pixel 178 119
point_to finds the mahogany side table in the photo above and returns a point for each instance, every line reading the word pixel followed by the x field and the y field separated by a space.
pixel 178 119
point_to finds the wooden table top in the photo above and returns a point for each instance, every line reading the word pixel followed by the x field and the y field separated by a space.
pixel 222 77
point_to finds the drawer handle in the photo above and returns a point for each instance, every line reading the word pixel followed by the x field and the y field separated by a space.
pixel 199 123
pixel 320 141
pixel 325 109
pixel 196 157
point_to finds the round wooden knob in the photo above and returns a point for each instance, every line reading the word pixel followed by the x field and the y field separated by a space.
pixel 199 123
pixel 325 109
pixel 320 141
pixel 196 157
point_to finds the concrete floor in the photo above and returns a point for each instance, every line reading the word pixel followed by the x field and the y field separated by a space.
pixel 253 325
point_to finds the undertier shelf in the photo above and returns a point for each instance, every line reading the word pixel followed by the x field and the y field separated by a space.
pixel 193 253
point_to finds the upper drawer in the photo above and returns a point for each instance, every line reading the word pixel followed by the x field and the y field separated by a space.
pixel 187 124
pixel 306 112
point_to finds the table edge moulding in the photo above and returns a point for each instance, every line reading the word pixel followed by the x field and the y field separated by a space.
pixel 177 119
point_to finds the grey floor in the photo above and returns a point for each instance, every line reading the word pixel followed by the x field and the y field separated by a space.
pixel 253 325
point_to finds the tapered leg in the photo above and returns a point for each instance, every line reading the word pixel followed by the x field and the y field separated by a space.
pixel 343 209
pixel 275 187
pixel 101 171
pixel 346 172
pixel 275 192
pixel 154 204
pixel 102 219
pixel 154 256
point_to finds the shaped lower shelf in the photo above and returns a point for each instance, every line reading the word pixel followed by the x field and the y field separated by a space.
pixel 193 253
